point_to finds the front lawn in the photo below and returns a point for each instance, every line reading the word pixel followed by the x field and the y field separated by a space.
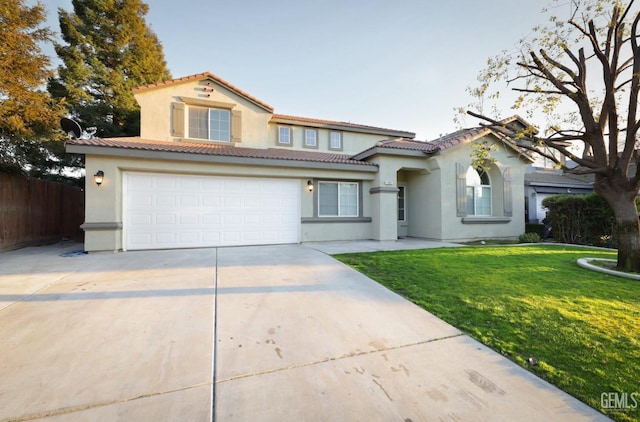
pixel 581 328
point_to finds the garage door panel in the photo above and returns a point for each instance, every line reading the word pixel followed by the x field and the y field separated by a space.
pixel 165 219
pixel 165 200
pixel 173 211
pixel 189 184
pixel 211 201
pixel 211 220
pixel 189 237
pixel 141 219
pixel 141 239
pixel 141 184
pixel 211 237
pixel 142 200
pixel 165 237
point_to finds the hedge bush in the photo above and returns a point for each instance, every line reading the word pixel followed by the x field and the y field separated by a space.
pixel 581 219
pixel 529 238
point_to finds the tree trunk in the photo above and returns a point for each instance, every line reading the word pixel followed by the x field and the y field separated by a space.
pixel 628 230
pixel 621 197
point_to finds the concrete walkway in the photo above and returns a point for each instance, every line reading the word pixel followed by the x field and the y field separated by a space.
pixel 298 336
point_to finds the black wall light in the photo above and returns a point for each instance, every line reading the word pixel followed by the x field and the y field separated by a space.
pixel 98 177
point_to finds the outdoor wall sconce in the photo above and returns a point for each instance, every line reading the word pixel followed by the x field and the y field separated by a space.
pixel 98 177
pixel 309 185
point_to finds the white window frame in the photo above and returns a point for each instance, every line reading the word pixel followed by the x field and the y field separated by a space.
pixel 308 132
pixel 208 122
pixel 280 137
pixel 402 189
pixel 339 184
pixel 335 135
pixel 475 188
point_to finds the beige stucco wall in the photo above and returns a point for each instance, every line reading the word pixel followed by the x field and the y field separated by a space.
pixel 396 170
pixel 424 205
pixel 106 201
pixel 451 226
pixel 257 130
pixel 156 111
pixel 352 142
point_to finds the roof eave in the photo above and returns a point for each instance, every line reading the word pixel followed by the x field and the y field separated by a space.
pixel 205 76
pixel 343 127
pixel 389 151
pixel 559 185
pixel 220 159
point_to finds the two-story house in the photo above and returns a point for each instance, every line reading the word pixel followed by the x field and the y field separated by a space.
pixel 215 166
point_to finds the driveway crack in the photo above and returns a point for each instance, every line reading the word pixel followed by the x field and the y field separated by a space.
pixel 337 358
pixel 73 409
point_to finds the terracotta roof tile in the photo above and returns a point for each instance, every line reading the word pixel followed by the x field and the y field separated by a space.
pixel 458 137
pixel 410 144
pixel 205 75
pixel 217 150
pixel 313 121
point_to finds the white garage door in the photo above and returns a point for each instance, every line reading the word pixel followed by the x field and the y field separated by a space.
pixel 164 211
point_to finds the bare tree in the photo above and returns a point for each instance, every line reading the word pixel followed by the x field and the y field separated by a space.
pixel 583 76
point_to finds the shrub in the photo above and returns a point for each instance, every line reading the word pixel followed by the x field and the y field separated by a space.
pixel 535 228
pixel 581 219
pixel 529 238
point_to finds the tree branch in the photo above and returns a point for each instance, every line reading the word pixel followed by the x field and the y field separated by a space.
pixel 632 123
pixel 533 140
pixel 539 91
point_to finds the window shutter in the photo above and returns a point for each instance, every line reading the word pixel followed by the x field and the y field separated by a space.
pixel 508 200
pixel 461 190
pixel 177 120
pixel 236 126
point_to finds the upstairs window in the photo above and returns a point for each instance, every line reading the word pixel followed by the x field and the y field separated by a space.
pixel 337 199
pixel 284 135
pixel 478 192
pixel 311 138
pixel 209 123
pixel 335 141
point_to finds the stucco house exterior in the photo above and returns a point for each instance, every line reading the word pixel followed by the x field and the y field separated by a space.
pixel 215 166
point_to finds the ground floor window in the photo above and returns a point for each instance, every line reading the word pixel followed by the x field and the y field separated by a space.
pixel 401 204
pixel 338 199
pixel 478 192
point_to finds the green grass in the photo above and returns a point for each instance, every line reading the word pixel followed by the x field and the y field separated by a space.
pixel 582 327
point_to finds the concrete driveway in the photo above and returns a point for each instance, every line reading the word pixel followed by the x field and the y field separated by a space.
pixel 290 334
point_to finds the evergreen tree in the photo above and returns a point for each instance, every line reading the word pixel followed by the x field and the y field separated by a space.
pixel 109 50
pixel 30 140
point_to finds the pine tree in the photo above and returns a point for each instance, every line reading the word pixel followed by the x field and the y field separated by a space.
pixel 109 50
pixel 30 140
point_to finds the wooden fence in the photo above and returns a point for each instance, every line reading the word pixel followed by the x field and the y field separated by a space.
pixel 36 212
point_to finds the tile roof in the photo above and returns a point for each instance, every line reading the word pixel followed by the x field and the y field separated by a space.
pixel 135 143
pixel 201 76
pixel 547 177
pixel 408 144
pixel 458 137
pixel 280 117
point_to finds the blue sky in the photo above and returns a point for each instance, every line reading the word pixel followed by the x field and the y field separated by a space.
pixel 400 65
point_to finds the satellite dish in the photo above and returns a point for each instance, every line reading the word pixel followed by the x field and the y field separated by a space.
pixel 71 127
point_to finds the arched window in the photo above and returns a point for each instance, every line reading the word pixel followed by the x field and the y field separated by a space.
pixel 478 192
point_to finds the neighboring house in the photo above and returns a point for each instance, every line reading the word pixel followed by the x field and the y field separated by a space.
pixel 541 183
pixel 215 166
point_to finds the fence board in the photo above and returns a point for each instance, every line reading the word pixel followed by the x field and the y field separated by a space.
pixel 34 212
